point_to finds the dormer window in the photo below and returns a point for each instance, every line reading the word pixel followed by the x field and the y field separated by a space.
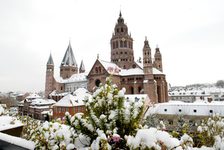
pixel 180 110
pixel 165 109
pixel 195 110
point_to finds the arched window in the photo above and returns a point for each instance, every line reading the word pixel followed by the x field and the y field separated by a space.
pixel 122 30
pixel 96 69
pixel 125 43
pixel 97 82
pixel 139 89
pixel 116 45
pixel 121 43
pixel 113 45
pixel 132 90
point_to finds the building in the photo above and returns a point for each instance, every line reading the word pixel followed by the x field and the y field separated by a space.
pixel 175 113
pixel 71 77
pixel 36 108
pixel 137 77
pixel 144 77
pixel 71 103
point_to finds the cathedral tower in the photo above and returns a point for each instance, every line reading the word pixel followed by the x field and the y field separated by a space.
pixel 158 60
pixel 150 86
pixel 49 83
pixel 68 65
pixel 122 45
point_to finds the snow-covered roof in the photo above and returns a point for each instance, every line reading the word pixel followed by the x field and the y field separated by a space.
pixel 112 68
pixel 198 108
pixel 43 102
pixel 33 96
pixel 8 122
pixel 69 58
pixel 156 71
pixel 17 141
pixel 77 78
pixel 54 93
pixel 69 101
pixel 132 71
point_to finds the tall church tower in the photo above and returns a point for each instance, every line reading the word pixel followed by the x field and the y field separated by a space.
pixel 150 86
pixel 68 65
pixel 49 83
pixel 122 45
pixel 158 60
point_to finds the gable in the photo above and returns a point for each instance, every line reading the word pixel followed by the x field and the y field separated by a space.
pixel 97 69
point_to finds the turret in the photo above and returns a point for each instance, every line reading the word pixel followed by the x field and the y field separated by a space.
pixel 49 83
pixel 68 65
pixel 150 85
pixel 158 60
pixel 147 58
pixel 82 67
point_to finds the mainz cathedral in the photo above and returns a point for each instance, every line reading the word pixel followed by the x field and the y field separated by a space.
pixel 142 77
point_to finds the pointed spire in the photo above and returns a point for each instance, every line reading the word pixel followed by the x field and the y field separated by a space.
pixel 69 59
pixel 120 19
pixel 146 42
pixel 50 60
pixel 157 49
pixel 82 67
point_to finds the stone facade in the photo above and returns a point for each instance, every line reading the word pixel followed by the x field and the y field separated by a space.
pixel 136 78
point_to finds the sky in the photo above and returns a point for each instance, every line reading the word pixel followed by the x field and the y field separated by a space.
pixel 189 33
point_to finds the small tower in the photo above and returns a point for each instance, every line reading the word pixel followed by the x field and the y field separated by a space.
pixel 147 58
pixel 82 67
pixel 158 60
pixel 121 43
pixel 150 86
pixel 68 65
pixel 49 83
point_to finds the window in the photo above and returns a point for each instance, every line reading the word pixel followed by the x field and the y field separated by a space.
pixel 122 30
pixel 125 43
pixel 179 110
pixel 121 43
pixel 97 82
pixel 170 122
pixel 165 109
pixel 195 110
pixel 211 111
pixel 116 45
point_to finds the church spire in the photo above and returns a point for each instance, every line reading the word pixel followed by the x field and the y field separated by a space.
pixel 68 65
pixel 82 67
pixel 50 60
pixel 69 59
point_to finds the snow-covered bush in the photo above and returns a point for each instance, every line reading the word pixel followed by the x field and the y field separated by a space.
pixel 107 119
pixel 211 132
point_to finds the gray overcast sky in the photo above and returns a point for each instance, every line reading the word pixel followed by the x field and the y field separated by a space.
pixel 190 34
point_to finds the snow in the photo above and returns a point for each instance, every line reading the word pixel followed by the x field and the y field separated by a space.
pixel 132 71
pixel 151 138
pixel 8 122
pixel 17 141
pixel 33 96
pixel 70 101
pixel 43 102
pixel 156 71
pixel 1 110
pixel 76 78
pixel 199 108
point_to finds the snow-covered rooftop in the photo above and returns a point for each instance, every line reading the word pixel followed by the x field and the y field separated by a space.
pixel 8 122
pixel 69 101
pixel 33 96
pixel 17 141
pixel 198 108
pixel 43 102
pixel 74 78
pixel 112 68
